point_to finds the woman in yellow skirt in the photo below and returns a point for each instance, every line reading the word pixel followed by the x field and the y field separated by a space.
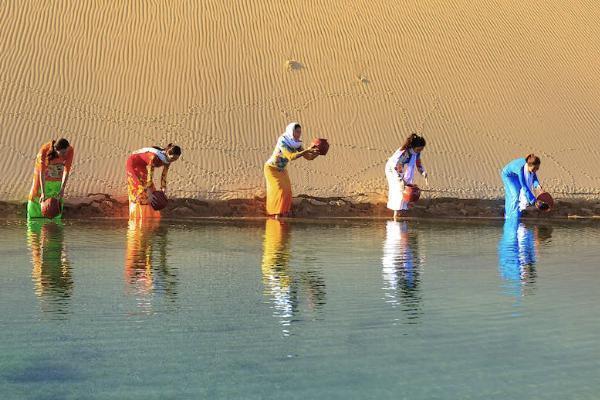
pixel 279 188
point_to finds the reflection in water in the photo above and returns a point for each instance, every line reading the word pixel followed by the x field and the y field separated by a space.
pixel 147 272
pixel 401 268
pixel 517 256
pixel 285 288
pixel 51 270
pixel 543 235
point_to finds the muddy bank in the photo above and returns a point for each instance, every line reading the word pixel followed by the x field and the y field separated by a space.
pixel 105 206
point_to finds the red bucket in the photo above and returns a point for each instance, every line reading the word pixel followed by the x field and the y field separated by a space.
pixel 411 193
pixel 545 198
pixel 322 145
pixel 160 200
pixel 50 207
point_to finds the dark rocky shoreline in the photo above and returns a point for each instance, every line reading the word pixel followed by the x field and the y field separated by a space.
pixel 105 206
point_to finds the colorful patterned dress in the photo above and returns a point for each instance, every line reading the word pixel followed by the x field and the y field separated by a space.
pixel 53 170
pixel 140 171
pixel 279 187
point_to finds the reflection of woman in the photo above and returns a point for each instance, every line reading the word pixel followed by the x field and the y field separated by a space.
pixel 401 267
pixel 51 270
pixel 279 187
pixel 50 175
pixel 140 171
pixel 281 285
pixel 275 269
pixel 517 257
pixel 144 272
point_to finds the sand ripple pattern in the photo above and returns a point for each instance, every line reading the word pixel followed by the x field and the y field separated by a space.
pixel 483 81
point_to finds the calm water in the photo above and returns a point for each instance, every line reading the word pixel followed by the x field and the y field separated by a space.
pixel 299 311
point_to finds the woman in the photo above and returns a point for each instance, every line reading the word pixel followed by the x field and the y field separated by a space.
pixel 140 170
pixel 520 179
pixel 50 175
pixel 279 188
pixel 400 171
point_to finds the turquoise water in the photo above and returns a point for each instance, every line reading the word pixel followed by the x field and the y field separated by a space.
pixel 262 310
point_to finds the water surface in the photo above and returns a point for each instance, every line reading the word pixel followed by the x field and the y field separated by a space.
pixel 299 310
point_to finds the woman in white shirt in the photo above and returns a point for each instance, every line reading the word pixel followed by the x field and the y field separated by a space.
pixel 400 171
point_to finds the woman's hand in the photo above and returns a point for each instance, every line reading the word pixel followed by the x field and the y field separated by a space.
pixel 311 153
pixel 42 197
pixel 310 156
pixel 541 205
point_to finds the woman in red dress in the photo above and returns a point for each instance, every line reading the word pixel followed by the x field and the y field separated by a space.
pixel 140 171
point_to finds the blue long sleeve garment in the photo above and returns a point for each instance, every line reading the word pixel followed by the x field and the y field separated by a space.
pixel 516 168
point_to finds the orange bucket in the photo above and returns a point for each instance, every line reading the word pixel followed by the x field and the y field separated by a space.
pixel 322 145
pixel 160 200
pixel 411 193
pixel 50 207
pixel 546 199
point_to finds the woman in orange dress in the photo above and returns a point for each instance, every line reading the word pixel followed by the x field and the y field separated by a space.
pixel 140 171
pixel 50 175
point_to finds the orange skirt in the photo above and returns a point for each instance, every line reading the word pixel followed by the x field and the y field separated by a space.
pixel 139 212
pixel 279 191
pixel 139 209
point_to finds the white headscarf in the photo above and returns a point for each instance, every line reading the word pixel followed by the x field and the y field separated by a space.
pixel 288 137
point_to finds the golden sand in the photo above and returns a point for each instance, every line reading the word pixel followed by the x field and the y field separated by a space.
pixel 484 81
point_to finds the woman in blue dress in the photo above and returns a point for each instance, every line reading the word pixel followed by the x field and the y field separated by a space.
pixel 520 180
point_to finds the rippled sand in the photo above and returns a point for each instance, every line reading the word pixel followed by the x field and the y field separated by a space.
pixel 484 82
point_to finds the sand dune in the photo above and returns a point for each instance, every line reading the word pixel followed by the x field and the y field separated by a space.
pixel 484 81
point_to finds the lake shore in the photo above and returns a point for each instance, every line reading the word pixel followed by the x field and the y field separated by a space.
pixel 105 206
